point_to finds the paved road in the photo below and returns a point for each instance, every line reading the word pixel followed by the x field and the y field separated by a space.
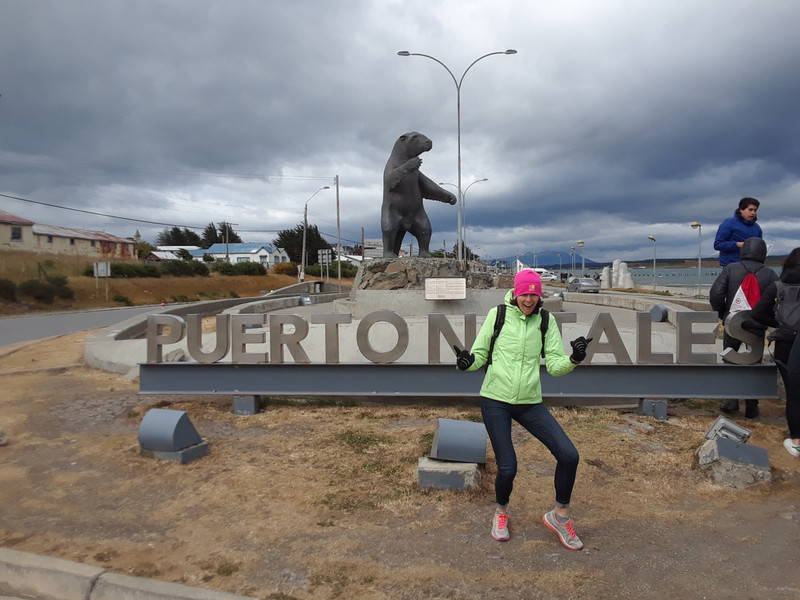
pixel 34 327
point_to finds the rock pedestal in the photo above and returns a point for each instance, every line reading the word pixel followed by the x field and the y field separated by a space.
pixel 411 273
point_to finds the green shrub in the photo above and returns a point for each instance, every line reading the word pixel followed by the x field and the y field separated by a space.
pixel 41 291
pixel 223 268
pixel 123 300
pixel 286 269
pixel 8 290
pixel 249 268
pixel 180 298
pixel 182 268
pixel 62 290
pixel 65 293
pixel 348 270
pixel 130 270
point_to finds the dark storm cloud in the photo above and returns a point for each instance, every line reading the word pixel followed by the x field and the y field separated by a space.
pixel 615 120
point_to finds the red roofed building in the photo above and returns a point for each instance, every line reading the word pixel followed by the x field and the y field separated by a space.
pixel 21 234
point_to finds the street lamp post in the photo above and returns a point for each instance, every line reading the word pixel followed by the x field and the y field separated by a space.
pixel 699 227
pixel 572 254
pixel 458 83
pixel 583 260
pixel 559 264
pixel 463 219
pixel 227 226
pixel 651 238
pixel 302 275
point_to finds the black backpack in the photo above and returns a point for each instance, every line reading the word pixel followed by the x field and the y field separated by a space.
pixel 500 319
pixel 787 309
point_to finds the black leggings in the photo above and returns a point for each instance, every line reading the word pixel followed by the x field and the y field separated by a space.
pixel 787 355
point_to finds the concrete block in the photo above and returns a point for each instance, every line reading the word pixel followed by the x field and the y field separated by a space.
pixel 446 475
pixel 118 587
pixel 462 441
pixel 659 314
pixel 183 456
pixel 23 573
pixel 246 405
pixel 726 428
pixel 653 408
pixel 734 464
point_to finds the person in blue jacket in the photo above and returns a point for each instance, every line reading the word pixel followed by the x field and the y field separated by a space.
pixel 734 230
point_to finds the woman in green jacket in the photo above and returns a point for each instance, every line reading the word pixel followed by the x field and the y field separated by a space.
pixel 512 390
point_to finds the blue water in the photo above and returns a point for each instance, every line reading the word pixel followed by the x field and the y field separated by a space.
pixel 681 276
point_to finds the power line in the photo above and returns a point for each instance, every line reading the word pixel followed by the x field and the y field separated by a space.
pixel 99 214
pixel 90 212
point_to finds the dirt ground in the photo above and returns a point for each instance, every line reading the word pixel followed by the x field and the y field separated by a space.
pixel 310 501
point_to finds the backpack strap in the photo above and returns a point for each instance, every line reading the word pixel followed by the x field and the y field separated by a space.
pixel 499 320
pixel 544 325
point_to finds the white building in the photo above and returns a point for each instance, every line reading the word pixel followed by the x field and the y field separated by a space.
pixel 266 254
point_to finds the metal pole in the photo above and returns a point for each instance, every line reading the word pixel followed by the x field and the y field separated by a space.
pixel 338 234
pixel 651 238
pixel 699 227
pixel 302 275
pixel 458 117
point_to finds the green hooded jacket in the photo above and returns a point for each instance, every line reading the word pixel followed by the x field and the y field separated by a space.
pixel 513 375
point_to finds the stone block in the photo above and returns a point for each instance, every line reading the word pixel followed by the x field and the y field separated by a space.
pixel 183 456
pixel 246 405
pixel 653 408
pixel 734 464
pixel 447 475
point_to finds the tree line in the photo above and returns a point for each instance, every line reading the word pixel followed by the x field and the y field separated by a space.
pixel 291 240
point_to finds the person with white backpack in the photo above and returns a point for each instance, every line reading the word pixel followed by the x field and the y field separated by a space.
pixel 739 287
pixel 779 307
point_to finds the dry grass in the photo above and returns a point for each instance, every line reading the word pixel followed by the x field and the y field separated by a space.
pixel 91 292
pixel 310 501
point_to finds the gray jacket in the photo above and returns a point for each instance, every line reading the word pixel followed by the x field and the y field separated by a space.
pixel 724 288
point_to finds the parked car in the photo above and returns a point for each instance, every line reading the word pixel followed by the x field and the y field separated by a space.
pixel 549 277
pixel 583 284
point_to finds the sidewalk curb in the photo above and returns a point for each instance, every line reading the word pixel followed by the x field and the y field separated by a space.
pixel 45 578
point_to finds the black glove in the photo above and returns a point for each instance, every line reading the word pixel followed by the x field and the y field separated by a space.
pixel 579 348
pixel 464 358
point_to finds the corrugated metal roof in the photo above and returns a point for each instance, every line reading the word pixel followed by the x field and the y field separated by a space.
pixel 10 219
pixel 82 234
pixel 244 248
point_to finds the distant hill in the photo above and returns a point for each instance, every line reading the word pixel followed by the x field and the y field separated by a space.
pixel 550 260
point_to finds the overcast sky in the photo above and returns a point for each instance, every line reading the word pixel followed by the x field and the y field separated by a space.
pixel 615 120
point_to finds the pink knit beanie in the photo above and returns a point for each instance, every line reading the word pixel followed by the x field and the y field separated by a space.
pixel 527 281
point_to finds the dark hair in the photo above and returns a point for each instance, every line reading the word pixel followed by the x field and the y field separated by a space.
pixel 745 202
pixel 792 260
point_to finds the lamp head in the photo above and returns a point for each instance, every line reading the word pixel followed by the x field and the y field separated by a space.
pixel 696 225
pixel 650 237
pixel 510 51
pixel 580 243
pixel 404 53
